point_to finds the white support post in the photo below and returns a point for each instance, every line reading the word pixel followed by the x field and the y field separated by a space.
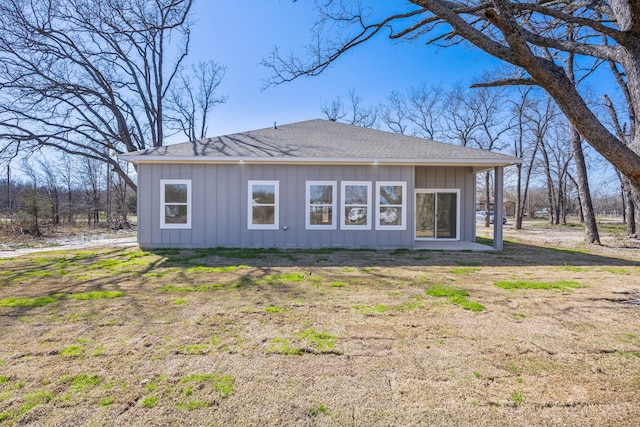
pixel 498 207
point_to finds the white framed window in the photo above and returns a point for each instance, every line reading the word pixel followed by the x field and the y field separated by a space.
pixel 321 205
pixel 355 206
pixel 263 205
pixel 391 205
pixel 175 203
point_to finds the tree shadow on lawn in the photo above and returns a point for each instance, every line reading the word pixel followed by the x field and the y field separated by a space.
pixel 514 254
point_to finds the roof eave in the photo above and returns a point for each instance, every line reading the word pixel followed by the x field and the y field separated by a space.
pixel 136 159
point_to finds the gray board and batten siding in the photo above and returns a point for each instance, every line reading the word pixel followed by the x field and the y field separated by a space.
pixel 219 171
pixel 220 204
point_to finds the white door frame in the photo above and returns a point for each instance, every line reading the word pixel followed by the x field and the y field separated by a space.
pixel 435 191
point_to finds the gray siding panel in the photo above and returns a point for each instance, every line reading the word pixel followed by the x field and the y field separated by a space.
pixel 220 199
pixel 461 178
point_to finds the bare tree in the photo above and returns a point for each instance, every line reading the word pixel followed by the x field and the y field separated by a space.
pixel 34 205
pixel 624 134
pixel 522 149
pixel 543 117
pixel 586 206
pixel 51 189
pixel 89 77
pixel 190 106
pixel 354 113
pixel 492 126
pixel 394 113
pixel 424 105
pixel 90 177
pixel 66 171
pixel 530 36
pixel 560 160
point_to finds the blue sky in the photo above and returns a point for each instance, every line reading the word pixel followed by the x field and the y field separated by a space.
pixel 239 34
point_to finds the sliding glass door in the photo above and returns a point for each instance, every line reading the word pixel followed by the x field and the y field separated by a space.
pixel 437 214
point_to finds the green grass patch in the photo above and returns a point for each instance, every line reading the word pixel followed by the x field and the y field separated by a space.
pixel 465 270
pixel 35 274
pixel 157 273
pixel 27 302
pixel 337 284
pixel 320 340
pixel 441 291
pixel 612 227
pixel 248 253
pixel 317 410
pixel 204 269
pixel 469 263
pixel 80 383
pixel 192 288
pixel 107 401
pixel 282 346
pixel 413 304
pixel 150 401
pixel 32 400
pixel 194 349
pixel 368 309
pixel 574 268
pixel 629 354
pixel 615 270
pixel 455 296
pixel 466 304
pixel 138 254
pixel 166 251
pixel 517 398
pixel 402 252
pixel 107 263
pixel 193 405
pixel 278 279
pixel 208 288
pixel 98 351
pixel 73 351
pixel 274 309
pixel 223 384
pixel 519 284
pixel 96 295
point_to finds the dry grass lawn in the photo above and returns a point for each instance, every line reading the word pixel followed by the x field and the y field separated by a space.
pixel 118 336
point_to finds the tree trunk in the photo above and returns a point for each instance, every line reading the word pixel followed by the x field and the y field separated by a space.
pixel 629 208
pixel 519 200
pixel 550 195
pixel 590 225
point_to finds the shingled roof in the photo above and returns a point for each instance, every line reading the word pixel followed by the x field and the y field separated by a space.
pixel 316 142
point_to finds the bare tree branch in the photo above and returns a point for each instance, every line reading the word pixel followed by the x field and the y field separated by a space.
pixel 89 77
pixel 528 34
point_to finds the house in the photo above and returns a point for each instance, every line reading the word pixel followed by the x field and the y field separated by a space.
pixel 316 183
pixel 508 207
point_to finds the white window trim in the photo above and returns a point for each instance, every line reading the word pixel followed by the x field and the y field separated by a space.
pixel 276 215
pixel 307 222
pixel 163 183
pixel 343 205
pixel 403 206
pixel 436 191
